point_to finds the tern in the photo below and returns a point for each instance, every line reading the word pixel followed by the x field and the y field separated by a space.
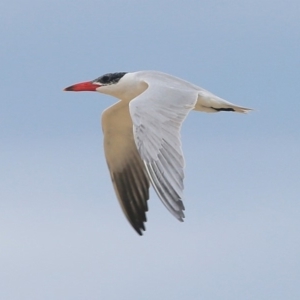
pixel 142 136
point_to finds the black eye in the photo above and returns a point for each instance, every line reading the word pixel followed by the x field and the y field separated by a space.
pixel 104 79
pixel 110 78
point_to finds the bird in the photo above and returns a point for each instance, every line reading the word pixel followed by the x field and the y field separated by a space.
pixel 142 136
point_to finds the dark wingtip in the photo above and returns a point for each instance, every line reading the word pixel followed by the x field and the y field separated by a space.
pixel 140 233
pixel 139 228
pixel 223 109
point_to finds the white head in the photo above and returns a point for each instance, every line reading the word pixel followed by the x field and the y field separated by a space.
pixel 121 85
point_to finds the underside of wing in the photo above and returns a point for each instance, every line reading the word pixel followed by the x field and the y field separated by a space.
pixel 127 170
pixel 157 115
pixel 132 189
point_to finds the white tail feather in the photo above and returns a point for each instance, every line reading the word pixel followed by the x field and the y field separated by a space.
pixel 208 102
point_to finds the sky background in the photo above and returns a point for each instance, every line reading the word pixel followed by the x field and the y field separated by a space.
pixel 62 233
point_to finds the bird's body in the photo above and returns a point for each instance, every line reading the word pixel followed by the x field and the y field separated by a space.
pixel 142 136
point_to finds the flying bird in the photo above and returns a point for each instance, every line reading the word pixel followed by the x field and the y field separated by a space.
pixel 142 136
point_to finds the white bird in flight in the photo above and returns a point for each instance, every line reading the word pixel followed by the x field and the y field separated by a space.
pixel 142 136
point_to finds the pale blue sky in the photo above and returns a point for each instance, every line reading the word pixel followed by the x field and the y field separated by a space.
pixel 62 233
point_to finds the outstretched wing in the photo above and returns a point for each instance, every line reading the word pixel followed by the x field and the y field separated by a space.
pixel 157 115
pixel 127 170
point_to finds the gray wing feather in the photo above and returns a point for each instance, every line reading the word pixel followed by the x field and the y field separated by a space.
pixel 157 116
